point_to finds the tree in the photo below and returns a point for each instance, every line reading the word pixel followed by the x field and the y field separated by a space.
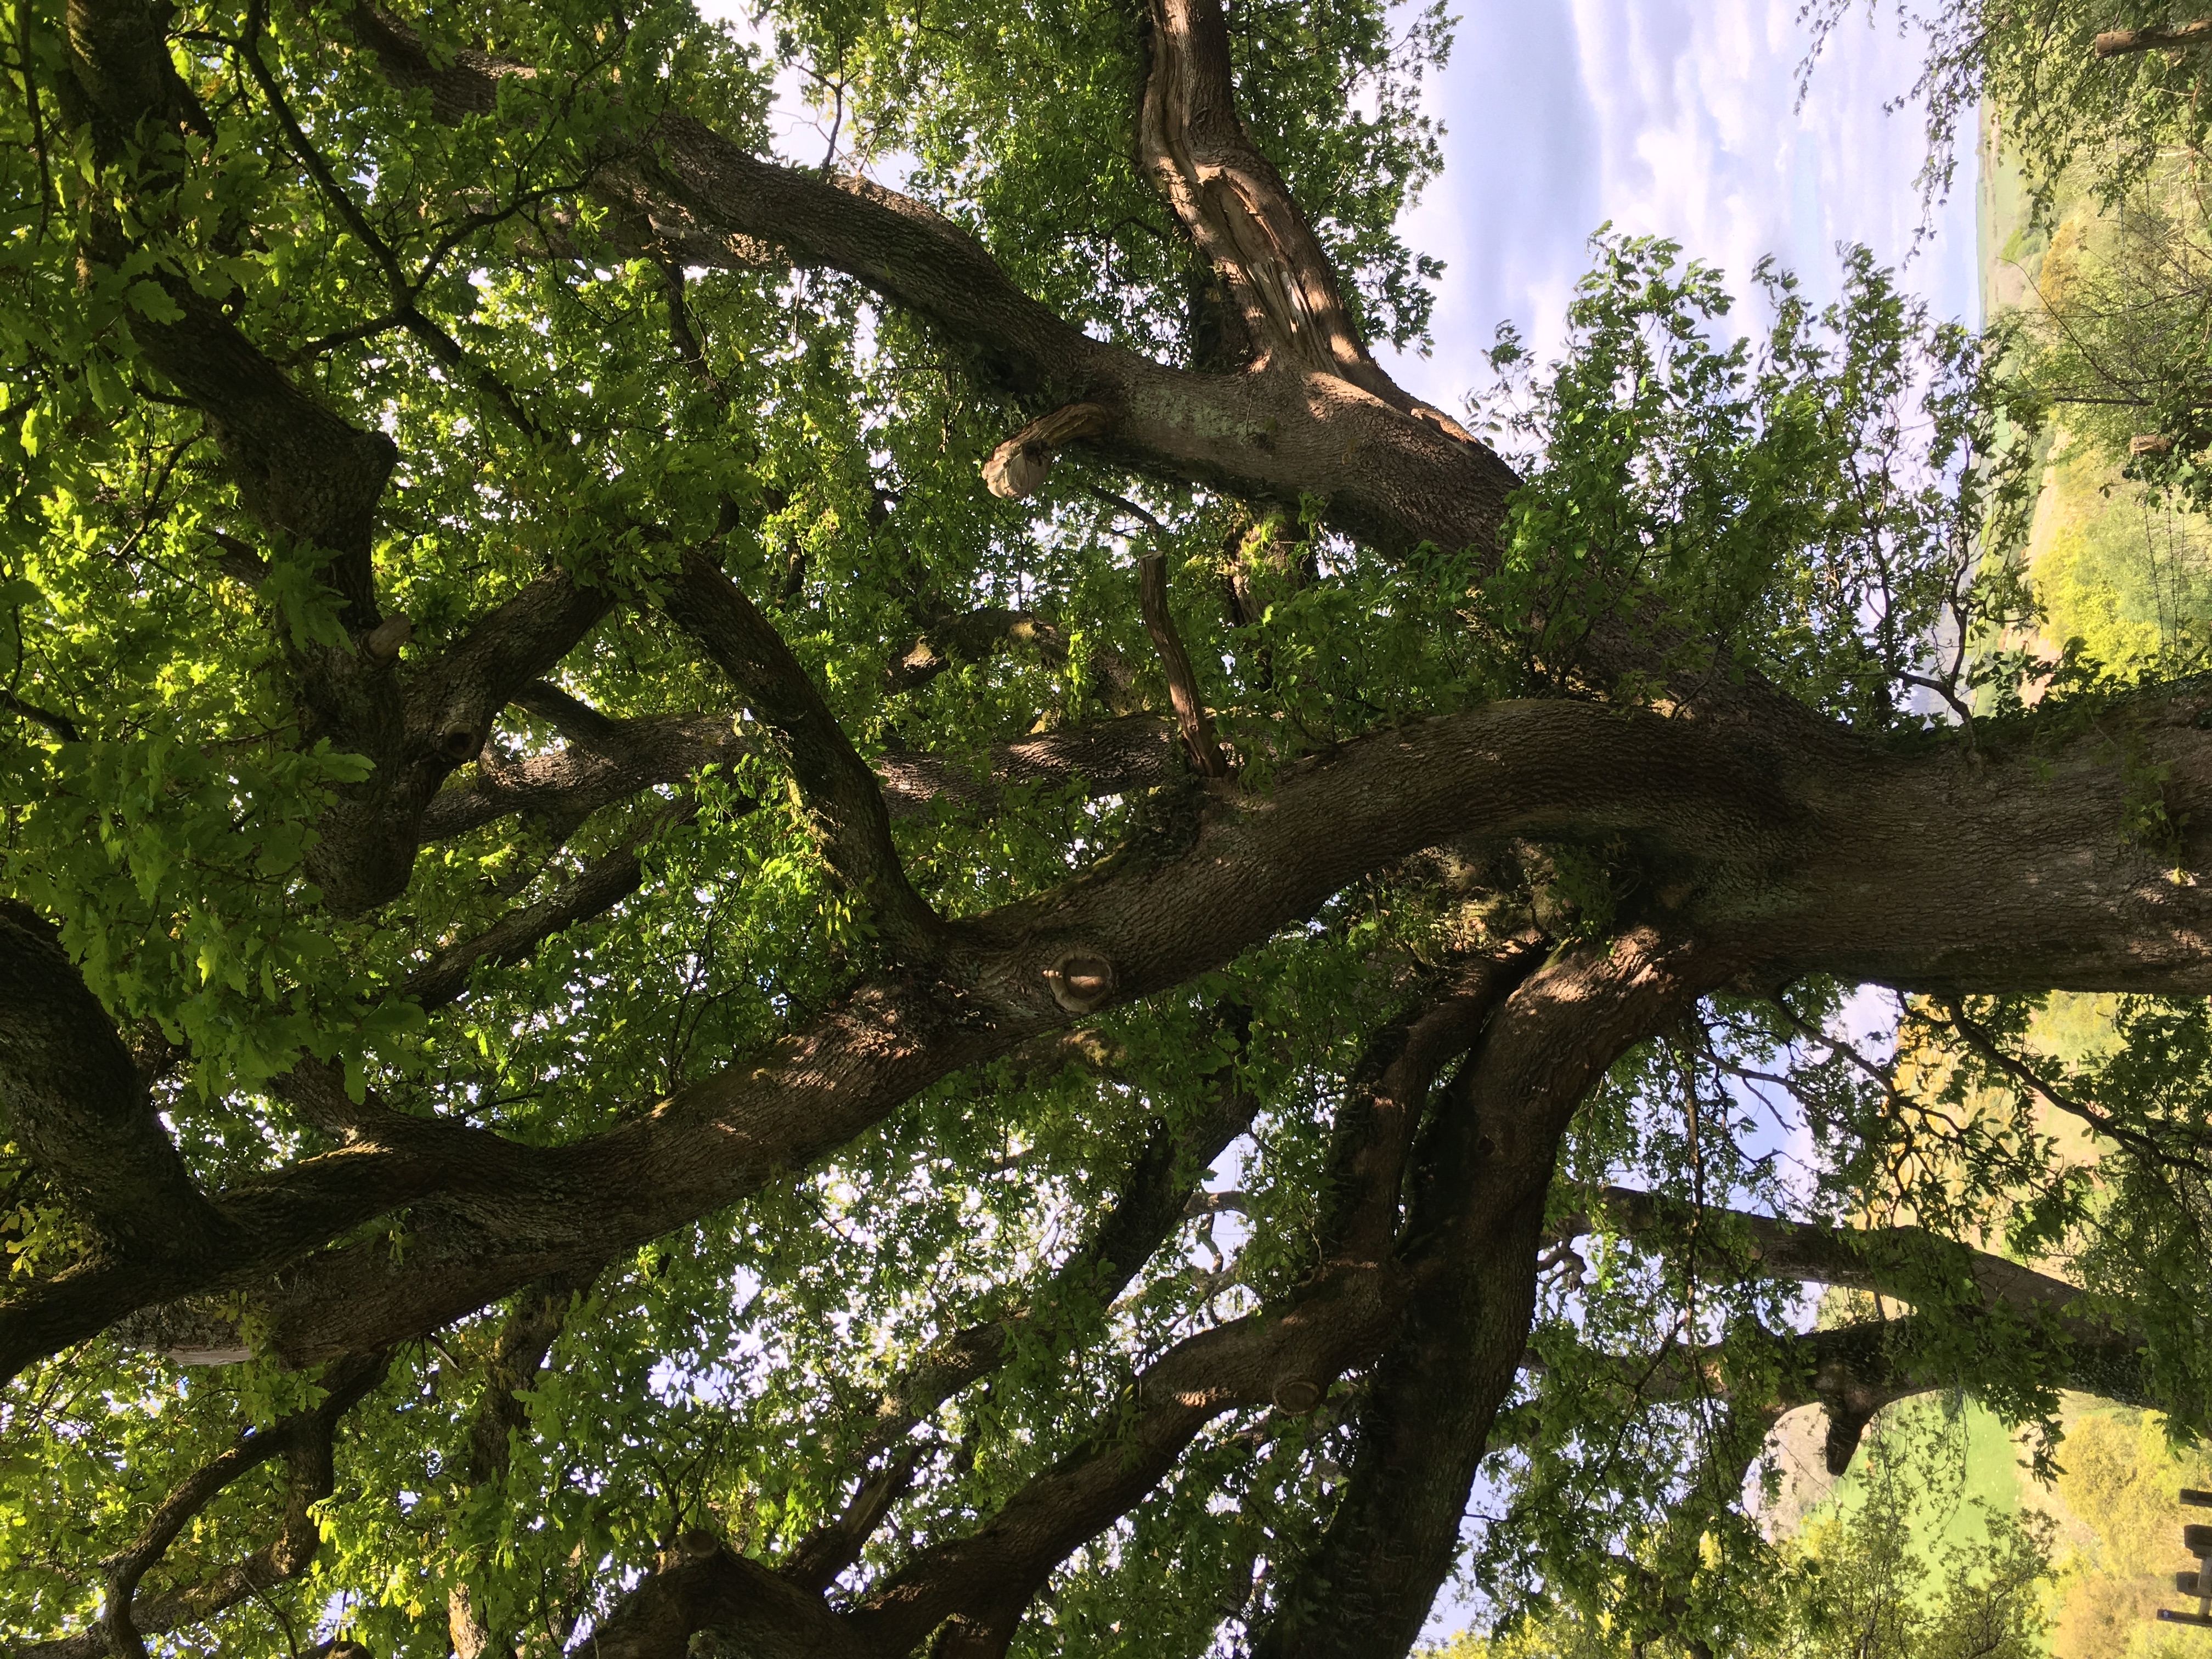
pixel 663 808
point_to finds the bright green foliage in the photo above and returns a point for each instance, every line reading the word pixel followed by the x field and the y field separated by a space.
pixel 1810 510
pixel 1861 1581
pixel 1806 507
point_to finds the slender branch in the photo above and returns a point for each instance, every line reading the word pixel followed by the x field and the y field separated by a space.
pixel 603 882
pixel 816 1561
pixel 833 779
pixel 1191 714
pixel 60 725
pixel 1910 1264
pixel 1150 1200
pixel 1984 1042
pixel 304 1440
pixel 403 291
pixel 518 1356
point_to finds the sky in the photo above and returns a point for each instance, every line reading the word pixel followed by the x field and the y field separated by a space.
pixel 1674 118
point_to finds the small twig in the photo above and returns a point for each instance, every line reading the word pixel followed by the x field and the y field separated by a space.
pixel 441 345
pixel 1985 1044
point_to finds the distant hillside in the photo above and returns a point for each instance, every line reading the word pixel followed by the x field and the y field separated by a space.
pixel 2125 575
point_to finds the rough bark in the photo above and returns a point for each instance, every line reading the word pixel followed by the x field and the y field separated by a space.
pixel 1766 843
pixel 1471 1236
pixel 2116 43
pixel 1386 473
pixel 1792 851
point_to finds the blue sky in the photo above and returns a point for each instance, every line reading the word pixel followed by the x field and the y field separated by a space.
pixel 1676 118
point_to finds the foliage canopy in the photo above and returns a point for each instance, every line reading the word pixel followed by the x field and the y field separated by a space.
pixel 748 914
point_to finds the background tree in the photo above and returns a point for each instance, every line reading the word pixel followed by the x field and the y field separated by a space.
pixel 663 809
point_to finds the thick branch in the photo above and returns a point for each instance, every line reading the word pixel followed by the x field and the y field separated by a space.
pixel 1235 205
pixel 75 1105
pixel 2114 43
pixel 1471 1234
pixel 1790 850
pixel 1401 477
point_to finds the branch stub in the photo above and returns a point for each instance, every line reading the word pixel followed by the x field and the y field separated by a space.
pixel 1080 980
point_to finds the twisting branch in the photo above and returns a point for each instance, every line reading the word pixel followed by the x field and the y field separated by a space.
pixel 1287 304
pixel 1384 1097
pixel 833 779
pixel 1107 757
pixel 975 635
pixel 304 1441
pixel 563 787
pixel 684 189
pixel 1473 1224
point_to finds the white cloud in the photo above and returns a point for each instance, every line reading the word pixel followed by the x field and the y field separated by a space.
pixel 1666 118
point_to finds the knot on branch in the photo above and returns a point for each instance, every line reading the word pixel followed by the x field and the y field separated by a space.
pixel 1080 980
pixel 1296 1395
pixel 382 642
pixel 1019 466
